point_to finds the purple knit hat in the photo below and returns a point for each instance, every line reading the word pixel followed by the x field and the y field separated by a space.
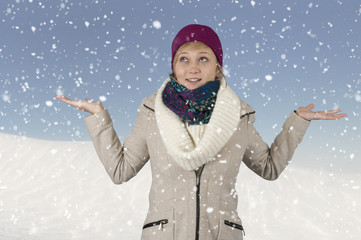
pixel 198 33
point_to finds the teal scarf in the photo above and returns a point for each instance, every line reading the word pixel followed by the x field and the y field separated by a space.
pixel 192 106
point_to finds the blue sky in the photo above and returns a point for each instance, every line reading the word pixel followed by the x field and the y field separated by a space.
pixel 279 55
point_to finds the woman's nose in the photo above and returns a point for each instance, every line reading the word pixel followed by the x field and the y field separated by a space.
pixel 194 68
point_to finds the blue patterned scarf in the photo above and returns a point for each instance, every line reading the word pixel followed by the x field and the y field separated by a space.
pixel 192 106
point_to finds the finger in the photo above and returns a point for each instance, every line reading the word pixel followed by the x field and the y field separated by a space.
pixel 310 106
pixel 62 98
pixel 334 111
pixel 67 100
pixel 338 116
pixel 88 100
pixel 333 117
pixel 76 104
pixel 330 111
pixel 58 96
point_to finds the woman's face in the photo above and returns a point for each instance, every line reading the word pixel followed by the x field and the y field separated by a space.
pixel 195 64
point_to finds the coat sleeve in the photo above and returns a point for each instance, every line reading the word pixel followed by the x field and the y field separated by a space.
pixel 122 162
pixel 269 162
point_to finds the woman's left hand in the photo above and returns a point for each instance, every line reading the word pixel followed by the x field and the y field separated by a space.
pixel 308 114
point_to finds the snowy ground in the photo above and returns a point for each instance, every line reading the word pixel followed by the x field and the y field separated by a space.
pixel 59 190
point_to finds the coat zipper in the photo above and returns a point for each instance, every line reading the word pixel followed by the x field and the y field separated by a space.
pixel 198 182
pixel 160 223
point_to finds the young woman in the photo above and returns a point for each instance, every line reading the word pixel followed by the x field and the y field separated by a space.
pixel 196 132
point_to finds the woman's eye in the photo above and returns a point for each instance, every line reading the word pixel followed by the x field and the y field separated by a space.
pixel 203 59
pixel 183 59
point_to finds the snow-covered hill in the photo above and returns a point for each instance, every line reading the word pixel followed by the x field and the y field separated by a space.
pixel 59 190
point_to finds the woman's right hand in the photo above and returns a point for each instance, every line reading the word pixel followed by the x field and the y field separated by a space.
pixel 88 105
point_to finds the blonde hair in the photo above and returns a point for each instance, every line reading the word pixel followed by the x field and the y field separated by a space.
pixel 195 45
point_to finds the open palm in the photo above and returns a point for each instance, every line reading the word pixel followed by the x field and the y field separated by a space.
pixel 87 105
pixel 308 114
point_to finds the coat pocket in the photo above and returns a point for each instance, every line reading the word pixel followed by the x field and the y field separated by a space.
pixel 159 228
pixel 159 223
pixel 230 230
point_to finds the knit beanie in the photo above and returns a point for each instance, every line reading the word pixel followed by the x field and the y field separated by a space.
pixel 198 33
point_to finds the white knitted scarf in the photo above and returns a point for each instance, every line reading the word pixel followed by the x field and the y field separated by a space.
pixel 178 141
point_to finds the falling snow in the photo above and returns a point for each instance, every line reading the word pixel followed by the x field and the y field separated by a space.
pixel 49 103
pixel 278 56
pixel 268 77
pixel 102 98
pixel 157 24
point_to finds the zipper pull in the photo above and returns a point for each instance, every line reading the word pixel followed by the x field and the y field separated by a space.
pixel 198 172
pixel 161 226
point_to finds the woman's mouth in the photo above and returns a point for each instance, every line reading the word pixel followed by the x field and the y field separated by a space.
pixel 193 79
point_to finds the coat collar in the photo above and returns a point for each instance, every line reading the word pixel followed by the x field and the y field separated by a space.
pixel 223 123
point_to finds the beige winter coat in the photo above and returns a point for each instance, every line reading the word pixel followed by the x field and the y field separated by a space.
pixel 180 201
